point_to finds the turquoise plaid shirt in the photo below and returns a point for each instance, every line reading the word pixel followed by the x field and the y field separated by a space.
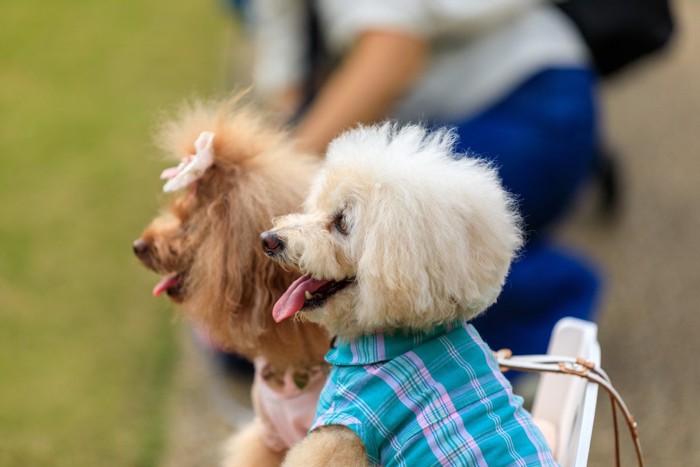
pixel 425 399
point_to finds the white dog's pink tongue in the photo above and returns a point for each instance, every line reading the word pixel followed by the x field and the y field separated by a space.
pixel 293 299
pixel 165 283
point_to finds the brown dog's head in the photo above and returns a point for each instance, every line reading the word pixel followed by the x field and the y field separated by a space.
pixel 205 243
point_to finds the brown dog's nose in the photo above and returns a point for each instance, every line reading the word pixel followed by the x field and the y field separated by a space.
pixel 271 243
pixel 140 247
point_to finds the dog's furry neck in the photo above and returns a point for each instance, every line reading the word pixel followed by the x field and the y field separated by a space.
pixel 344 325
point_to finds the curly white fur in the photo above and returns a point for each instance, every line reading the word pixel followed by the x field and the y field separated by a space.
pixel 427 234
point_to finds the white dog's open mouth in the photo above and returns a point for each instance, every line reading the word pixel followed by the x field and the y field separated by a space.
pixel 306 293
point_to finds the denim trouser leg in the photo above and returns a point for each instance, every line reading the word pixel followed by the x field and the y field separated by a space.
pixel 542 139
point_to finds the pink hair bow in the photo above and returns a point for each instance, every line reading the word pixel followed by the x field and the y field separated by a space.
pixel 192 167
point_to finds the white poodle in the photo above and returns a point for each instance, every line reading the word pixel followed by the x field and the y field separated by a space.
pixel 401 243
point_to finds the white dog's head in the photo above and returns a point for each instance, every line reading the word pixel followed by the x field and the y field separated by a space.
pixel 398 233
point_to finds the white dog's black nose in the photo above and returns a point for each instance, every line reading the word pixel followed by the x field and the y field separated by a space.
pixel 271 243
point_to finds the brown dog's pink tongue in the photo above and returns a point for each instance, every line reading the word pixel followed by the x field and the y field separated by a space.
pixel 165 283
pixel 293 299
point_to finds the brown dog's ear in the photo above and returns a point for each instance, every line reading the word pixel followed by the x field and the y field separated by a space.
pixel 234 284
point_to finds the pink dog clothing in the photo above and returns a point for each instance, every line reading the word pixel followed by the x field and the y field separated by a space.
pixel 286 401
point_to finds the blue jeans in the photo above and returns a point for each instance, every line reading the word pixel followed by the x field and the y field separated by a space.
pixel 542 138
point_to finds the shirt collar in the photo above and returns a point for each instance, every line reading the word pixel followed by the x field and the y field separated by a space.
pixel 382 346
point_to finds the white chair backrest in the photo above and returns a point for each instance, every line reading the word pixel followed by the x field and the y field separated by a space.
pixel 566 403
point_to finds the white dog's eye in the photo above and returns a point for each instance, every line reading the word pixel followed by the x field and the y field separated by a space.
pixel 340 224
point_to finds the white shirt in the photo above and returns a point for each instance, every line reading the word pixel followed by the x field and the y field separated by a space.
pixel 480 49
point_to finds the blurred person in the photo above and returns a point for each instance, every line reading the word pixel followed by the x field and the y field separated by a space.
pixel 513 77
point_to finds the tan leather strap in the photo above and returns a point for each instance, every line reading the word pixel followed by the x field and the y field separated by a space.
pixel 584 369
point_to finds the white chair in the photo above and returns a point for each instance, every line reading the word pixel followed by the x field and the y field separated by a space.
pixel 564 405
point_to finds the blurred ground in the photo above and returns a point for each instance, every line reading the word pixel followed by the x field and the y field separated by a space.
pixel 86 355
pixel 649 320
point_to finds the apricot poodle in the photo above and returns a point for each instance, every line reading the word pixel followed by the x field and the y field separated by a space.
pixel 237 172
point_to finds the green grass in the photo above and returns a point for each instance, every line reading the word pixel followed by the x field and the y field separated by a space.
pixel 86 355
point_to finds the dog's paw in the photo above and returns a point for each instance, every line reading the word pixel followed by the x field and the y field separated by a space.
pixel 329 446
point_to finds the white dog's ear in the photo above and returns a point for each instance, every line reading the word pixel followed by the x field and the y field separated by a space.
pixel 392 273
pixel 435 252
